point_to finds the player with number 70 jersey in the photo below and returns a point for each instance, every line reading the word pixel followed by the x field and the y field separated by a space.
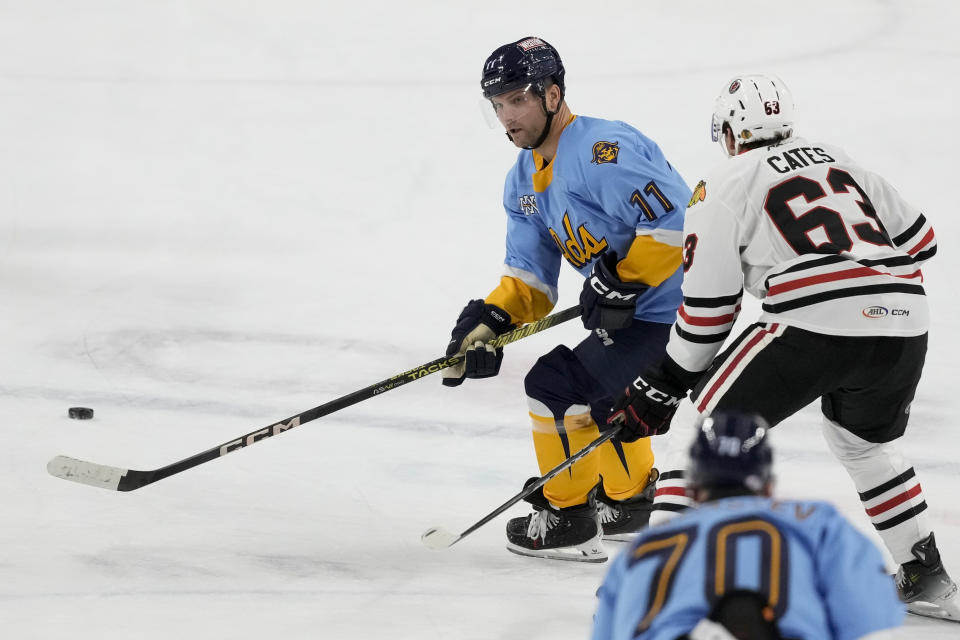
pixel 820 577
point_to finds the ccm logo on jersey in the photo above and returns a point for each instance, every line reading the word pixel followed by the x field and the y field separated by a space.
pixel 655 394
pixel 880 312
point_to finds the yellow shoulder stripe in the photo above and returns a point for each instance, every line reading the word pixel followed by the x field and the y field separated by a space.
pixel 520 300
pixel 649 261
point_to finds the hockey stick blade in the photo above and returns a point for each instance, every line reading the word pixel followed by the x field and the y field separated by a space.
pixel 438 538
pixel 119 479
pixel 95 475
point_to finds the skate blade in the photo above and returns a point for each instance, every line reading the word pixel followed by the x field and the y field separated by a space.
pixel 588 552
pixel 931 611
pixel 620 537
pixel 948 609
pixel 553 555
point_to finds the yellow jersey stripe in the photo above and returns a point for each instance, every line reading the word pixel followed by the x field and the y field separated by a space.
pixel 544 174
pixel 523 302
pixel 649 261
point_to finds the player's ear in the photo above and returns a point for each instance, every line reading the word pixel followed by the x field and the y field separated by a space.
pixel 730 141
pixel 554 97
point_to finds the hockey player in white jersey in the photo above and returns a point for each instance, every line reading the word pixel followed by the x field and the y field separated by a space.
pixel 835 254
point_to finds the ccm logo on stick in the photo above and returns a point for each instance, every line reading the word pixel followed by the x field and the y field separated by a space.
pixel 259 435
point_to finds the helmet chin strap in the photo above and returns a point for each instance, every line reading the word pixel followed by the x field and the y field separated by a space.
pixel 546 128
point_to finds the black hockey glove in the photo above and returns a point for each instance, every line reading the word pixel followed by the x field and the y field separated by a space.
pixel 478 323
pixel 608 302
pixel 647 406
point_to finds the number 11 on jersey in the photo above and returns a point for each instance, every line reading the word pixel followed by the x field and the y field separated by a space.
pixel 637 198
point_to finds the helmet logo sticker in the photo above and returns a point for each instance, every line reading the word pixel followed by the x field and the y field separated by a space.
pixel 604 152
pixel 531 43
pixel 734 86
pixel 699 193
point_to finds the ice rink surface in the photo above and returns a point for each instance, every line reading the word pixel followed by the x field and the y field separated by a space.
pixel 214 215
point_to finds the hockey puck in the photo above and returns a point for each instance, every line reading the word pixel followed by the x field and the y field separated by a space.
pixel 80 413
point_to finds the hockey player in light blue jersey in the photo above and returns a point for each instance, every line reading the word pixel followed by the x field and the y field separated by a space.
pixel 744 565
pixel 601 196
pixel 580 210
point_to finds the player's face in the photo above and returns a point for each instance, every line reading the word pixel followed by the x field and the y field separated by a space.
pixel 521 114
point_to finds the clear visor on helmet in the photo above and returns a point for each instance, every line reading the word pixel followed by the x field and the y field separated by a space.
pixel 505 105
pixel 716 128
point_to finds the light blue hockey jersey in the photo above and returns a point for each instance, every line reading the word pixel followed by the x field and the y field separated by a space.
pixel 823 577
pixel 607 186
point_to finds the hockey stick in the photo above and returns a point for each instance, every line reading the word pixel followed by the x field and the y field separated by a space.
pixel 119 479
pixel 440 538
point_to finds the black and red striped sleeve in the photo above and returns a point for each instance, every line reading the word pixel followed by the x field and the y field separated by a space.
pixel 909 229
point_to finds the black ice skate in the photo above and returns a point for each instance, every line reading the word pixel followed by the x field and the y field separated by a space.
pixel 570 533
pixel 925 586
pixel 622 519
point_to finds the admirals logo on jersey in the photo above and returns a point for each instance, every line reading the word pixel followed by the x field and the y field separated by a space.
pixel 699 193
pixel 528 204
pixel 604 152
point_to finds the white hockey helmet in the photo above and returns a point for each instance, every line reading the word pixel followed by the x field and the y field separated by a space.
pixel 756 107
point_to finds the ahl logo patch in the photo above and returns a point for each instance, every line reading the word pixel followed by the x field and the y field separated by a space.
pixel 528 204
pixel 604 152
pixel 874 312
pixel 734 86
pixel 699 194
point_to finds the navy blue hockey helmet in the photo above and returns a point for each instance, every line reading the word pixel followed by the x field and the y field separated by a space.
pixel 731 451
pixel 528 61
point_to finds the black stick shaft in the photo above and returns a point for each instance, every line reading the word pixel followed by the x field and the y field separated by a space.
pixel 134 479
pixel 531 488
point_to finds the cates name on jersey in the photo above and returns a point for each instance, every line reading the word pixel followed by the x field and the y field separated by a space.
pixel 798 158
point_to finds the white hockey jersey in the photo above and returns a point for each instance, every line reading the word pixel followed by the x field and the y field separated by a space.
pixel 828 246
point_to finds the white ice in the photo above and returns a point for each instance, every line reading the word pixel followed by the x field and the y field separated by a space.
pixel 217 214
